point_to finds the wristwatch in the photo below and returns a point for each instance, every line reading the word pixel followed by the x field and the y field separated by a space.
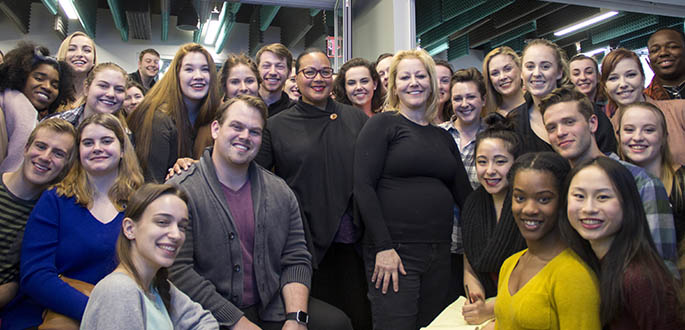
pixel 299 316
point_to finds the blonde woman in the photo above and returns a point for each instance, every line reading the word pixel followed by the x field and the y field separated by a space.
pixel 78 51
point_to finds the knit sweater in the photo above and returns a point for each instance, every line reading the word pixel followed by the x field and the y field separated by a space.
pixel 117 302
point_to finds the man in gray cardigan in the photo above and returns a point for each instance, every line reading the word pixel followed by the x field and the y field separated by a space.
pixel 245 258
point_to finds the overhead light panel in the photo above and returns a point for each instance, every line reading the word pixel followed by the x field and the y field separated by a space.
pixel 585 23
pixel 213 26
pixel 69 9
pixel 597 51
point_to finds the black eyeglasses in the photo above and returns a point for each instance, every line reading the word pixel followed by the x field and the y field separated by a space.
pixel 310 73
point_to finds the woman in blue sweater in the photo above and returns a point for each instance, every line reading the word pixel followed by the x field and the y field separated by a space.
pixel 73 228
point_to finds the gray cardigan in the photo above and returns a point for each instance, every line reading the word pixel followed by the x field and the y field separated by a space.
pixel 209 266
pixel 117 302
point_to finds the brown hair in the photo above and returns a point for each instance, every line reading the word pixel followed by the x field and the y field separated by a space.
pixel 91 77
pixel 147 51
pixel 166 97
pixel 232 61
pixel 609 63
pixel 129 176
pixel 493 98
pixel 252 101
pixel 393 100
pixel 59 126
pixel 280 50
pixel 339 83
pixel 559 55
pixel 667 165
pixel 139 201
pixel 568 94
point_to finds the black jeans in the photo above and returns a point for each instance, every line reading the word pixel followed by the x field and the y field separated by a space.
pixel 322 316
pixel 339 280
pixel 422 292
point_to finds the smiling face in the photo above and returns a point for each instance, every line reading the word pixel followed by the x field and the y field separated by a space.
pixel 641 136
pixel 570 134
pixel 237 140
pixel 505 74
pixel 383 69
pixel 47 156
pixel 493 162
pixel 81 54
pixel 316 90
pixel 443 75
pixel 290 87
pixel 106 93
pixel 194 76
pixel 625 83
pixel 540 70
pixel 584 76
pixel 594 209
pixel 133 97
pixel 274 71
pixel 42 86
pixel 535 201
pixel 412 84
pixel 149 65
pixel 467 102
pixel 359 86
pixel 240 81
pixel 157 237
pixel 666 55
pixel 99 150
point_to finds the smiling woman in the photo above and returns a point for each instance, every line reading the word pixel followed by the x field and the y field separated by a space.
pixel 357 84
pixel 173 110
pixel 33 84
pixel 78 51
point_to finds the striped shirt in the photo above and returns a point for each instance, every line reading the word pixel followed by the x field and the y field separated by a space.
pixel 14 212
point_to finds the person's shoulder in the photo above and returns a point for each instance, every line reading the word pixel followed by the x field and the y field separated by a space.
pixel 571 266
pixel 270 180
pixel 188 179
pixel 117 284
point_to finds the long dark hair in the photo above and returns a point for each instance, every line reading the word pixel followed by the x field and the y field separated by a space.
pixel 632 246
pixel 138 202
pixel 500 127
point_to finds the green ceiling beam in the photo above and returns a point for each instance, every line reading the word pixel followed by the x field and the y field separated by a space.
pixel 462 21
pixel 458 47
pixel 197 34
pixel 515 33
pixel 622 26
pixel 313 12
pixel 119 18
pixel 451 8
pixel 225 31
pixel 165 8
pixel 266 16
pixel 87 12
pixel 52 6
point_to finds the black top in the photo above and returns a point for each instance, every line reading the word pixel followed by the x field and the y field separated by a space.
pixel 163 151
pixel 312 149
pixel 135 76
pixel 283 103
pixel 605 136
pixel 407 178
pixel 677 198
pixel 487 241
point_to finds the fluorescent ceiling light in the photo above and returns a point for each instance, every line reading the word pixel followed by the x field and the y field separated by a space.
pixel 69 9
pixel 596 51
pixel 212 31
pixel 585 23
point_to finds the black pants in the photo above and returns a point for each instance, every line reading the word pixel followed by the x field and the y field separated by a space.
pixel 456 287
pixel 322 316
pixel 339 280
pixel 422 292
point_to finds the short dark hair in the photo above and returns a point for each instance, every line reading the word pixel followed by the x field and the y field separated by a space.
pixel 568 94
pixel 308 51
pixel 147 51
pixel 678 31
pixel 280 50
pixel 382 57
pixel 250 100
pixel 469 75
pixel 500 127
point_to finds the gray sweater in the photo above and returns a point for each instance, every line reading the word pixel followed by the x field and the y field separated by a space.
pixel 209 266
pixel 117 302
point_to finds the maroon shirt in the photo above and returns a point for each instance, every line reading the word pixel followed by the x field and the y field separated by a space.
pixel 241 207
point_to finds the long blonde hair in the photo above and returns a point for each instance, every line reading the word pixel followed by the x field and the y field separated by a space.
pixel 493 99
pixel 166 96
pixel 64 47
pixel 129 176
pixel 393 100
pixel 119 113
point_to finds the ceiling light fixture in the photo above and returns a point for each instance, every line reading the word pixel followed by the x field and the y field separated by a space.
pixel 69 9
pixel 585 23
pixel 213 27
pixel 597 51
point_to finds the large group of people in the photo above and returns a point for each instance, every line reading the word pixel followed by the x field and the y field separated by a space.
pixel 275 193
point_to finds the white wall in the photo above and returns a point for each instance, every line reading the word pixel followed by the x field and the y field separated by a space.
pixel 372 28
pixel 110 47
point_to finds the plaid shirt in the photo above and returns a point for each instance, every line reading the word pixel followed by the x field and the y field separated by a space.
pixel 658 91
pixel 468 158
pixel 73 116
pixel 659 214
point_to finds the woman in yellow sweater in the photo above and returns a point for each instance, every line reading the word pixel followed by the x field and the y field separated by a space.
pixel 546 286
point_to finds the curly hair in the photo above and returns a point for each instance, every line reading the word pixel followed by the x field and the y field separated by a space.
pixel 339 83
pixel 26 57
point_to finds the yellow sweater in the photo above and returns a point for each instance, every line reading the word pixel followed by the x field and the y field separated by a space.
pixel 563 295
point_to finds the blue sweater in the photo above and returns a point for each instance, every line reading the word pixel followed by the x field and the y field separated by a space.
pixel 61 237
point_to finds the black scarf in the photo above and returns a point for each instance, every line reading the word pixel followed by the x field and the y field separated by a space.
pixel 487 243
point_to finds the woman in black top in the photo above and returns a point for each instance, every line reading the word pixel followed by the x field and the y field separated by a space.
pixel 408 175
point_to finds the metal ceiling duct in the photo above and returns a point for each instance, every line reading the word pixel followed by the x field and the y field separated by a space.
pixel 187 18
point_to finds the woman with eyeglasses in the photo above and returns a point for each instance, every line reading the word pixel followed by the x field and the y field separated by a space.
pixel 408 175
pixel 311 146
pixel 33 84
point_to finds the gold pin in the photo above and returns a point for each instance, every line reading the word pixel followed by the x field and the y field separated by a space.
pixel 334 116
